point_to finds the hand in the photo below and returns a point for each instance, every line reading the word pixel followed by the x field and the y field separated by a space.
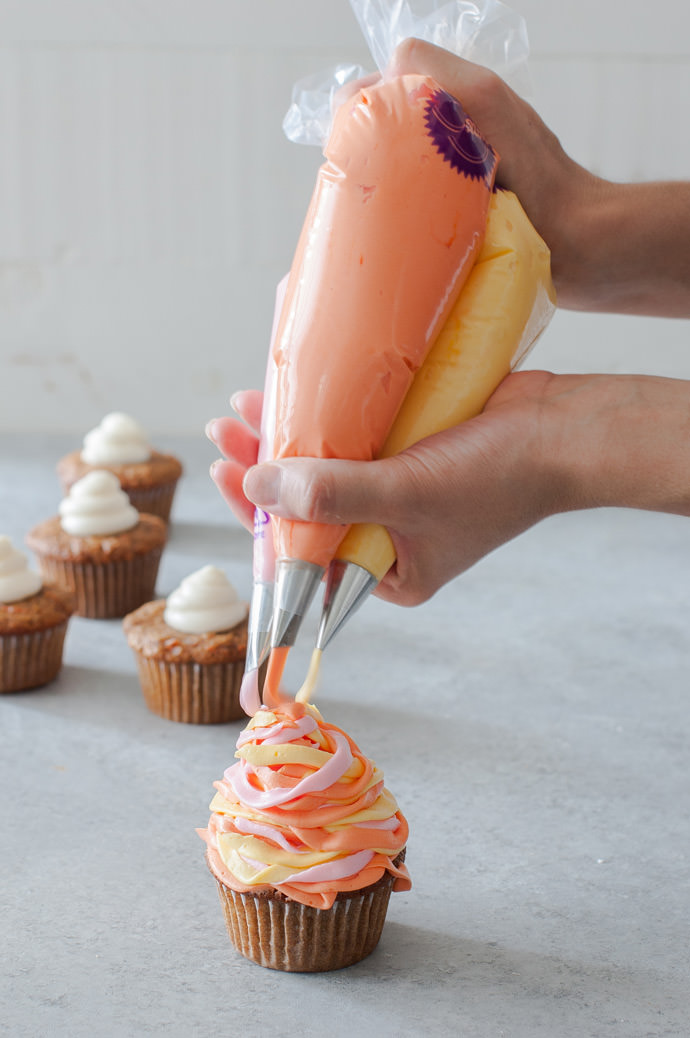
pixel 544 444
pixel 238 440
pixel 618 248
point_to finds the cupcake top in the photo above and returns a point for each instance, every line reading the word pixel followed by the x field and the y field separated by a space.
pixel 204 603
pixel 303 812
pixel 17 581
pixel 117 440
pixel 96 505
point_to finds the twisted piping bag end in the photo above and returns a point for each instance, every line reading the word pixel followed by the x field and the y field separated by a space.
pixel 347 587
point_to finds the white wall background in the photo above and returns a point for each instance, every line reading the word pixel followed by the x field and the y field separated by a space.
pixel 149 202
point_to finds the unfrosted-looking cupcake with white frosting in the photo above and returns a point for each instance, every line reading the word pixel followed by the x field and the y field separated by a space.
pixel 33 623
pixel 190 649
pixel 100 547
pixel 120 445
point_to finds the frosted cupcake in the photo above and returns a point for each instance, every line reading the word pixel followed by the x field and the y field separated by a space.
pixel 100 547
pixel 33 623
pixel 120 445
pixel 190 649
pixel 305 843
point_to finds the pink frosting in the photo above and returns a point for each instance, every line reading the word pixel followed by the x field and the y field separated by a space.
pixel 326 776
pixel 339 868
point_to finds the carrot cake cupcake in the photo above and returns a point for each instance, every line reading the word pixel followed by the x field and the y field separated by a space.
pixel 190 649
pixel 100 547
pixel 33 623
pixel 120 445
pixel 305 843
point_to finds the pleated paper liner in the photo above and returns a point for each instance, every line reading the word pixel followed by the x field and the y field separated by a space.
pixel 153 500
pixel 108 589
pixel 194 693
pixel 287 935
pixel 31 659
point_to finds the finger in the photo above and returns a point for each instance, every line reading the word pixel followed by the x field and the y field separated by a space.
pixel 459 77
pixel 248 404
pixel 227 476
pixel 234 439
pixel 498 112
pixel 327 491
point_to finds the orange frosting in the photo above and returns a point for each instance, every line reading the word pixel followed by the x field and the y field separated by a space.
pixel 313 821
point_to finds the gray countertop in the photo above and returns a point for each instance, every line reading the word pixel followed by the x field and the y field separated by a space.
pixel 533 721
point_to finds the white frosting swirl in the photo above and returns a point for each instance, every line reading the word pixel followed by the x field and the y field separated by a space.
pixel 204 602
pixel 118 440
pixel 97 505
pixel 17 581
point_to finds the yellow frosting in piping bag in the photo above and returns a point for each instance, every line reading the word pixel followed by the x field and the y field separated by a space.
pixel 505 304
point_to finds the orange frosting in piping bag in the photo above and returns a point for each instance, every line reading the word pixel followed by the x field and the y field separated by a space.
pixel 395 223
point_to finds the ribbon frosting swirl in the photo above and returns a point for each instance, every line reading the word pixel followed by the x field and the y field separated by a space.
pixel 303 811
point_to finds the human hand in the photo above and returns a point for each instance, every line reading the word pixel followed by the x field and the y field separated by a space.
pixel 238 440
pixel 544 444
pixel 617 248
pixel 552 188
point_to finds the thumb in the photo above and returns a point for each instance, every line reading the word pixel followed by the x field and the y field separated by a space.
pixel 324 490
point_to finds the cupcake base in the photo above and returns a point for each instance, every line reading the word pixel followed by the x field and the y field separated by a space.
pixel 154 500
pixel 281 934
pixel 110 575
pixel 109 590
pixel 31 659
pixel 194 693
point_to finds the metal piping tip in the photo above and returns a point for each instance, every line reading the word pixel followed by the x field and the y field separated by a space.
pixel 259 627
pixel 295 586
pixel 347 586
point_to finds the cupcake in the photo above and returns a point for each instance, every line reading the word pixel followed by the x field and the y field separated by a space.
pixel 305 844
pixel 100 547
pixel 190 650
pixel 33 623
pixel 120 445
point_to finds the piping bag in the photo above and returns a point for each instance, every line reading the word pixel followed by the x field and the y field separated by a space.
pixel 394 226
pixel 263 553
pixel 393 230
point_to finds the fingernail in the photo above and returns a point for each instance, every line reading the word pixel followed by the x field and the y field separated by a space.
pixel 210 430
pixel 233 398
pixel 262 485
pixel 212 470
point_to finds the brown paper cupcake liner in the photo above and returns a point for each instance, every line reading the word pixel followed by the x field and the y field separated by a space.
pixel 296 938
pixel 153 500
pixel 109 589
pixel 31 659
pixel 194 693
